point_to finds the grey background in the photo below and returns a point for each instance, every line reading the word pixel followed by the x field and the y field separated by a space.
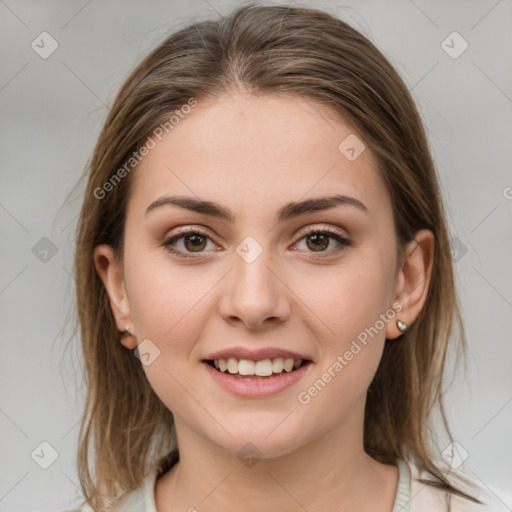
pixel 51 113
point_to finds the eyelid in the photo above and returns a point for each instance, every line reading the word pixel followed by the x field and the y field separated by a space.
pixel 191 229
pixel 322 228
pixel 331 232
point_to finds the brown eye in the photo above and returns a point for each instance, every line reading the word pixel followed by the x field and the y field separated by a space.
pixel 319 240
pixel 194 241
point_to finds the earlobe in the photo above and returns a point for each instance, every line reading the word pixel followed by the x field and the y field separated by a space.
pixel 128 340
pixel 109 269
pixel 413 280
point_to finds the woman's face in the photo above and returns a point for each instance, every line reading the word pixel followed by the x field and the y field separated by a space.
pixel 260 280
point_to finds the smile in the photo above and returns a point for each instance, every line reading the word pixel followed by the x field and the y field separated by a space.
pixel 263 368
pixel 251 379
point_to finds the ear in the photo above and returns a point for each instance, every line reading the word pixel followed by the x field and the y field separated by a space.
pixel 413 280
pixel 111 273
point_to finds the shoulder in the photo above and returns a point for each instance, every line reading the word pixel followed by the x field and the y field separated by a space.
pixel 131 502
pixel 426 498
pixel 141 499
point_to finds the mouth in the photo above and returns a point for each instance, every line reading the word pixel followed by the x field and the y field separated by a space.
pixel 256 370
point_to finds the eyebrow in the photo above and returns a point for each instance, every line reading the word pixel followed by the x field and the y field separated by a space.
pixel 288 211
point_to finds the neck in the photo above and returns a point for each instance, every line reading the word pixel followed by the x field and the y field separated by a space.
pixel 330 473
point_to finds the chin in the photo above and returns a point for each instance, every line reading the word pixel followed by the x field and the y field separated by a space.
pixel 250 445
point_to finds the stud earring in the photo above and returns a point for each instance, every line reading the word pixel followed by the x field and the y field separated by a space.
pixel 402 325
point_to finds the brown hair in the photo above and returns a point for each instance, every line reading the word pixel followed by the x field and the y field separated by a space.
pixel 261 50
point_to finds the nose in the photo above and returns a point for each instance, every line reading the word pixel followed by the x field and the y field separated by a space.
pixel 256 294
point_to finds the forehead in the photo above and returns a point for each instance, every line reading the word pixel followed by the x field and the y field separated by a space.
pixel 249 151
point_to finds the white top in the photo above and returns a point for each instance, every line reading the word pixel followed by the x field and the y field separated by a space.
pixel 411 496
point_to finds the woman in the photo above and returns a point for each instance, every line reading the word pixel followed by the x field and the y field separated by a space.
pixel 264 281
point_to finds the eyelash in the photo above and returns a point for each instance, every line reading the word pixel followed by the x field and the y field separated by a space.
pixel 344 242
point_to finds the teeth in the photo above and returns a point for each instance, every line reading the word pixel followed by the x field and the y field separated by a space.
pixel 246 367
pixel 263 368
pixel 288 364
pixel 278 365
pixel 232 365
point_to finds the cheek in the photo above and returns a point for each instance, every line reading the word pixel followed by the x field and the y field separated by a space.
pixel 351 333
pixel 347 308
pixel 169 308
pixel 166 299
pixel 345 300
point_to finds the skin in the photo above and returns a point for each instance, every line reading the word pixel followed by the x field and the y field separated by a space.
pixel 252 155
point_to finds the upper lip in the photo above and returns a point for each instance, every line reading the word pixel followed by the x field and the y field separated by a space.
pixel 256 355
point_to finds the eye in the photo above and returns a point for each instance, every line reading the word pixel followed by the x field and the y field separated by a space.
pixel 194 241
pixel 320 239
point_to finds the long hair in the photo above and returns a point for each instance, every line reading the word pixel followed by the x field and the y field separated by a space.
pixel 126 429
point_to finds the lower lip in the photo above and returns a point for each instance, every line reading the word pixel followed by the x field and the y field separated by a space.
pixel 253 388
